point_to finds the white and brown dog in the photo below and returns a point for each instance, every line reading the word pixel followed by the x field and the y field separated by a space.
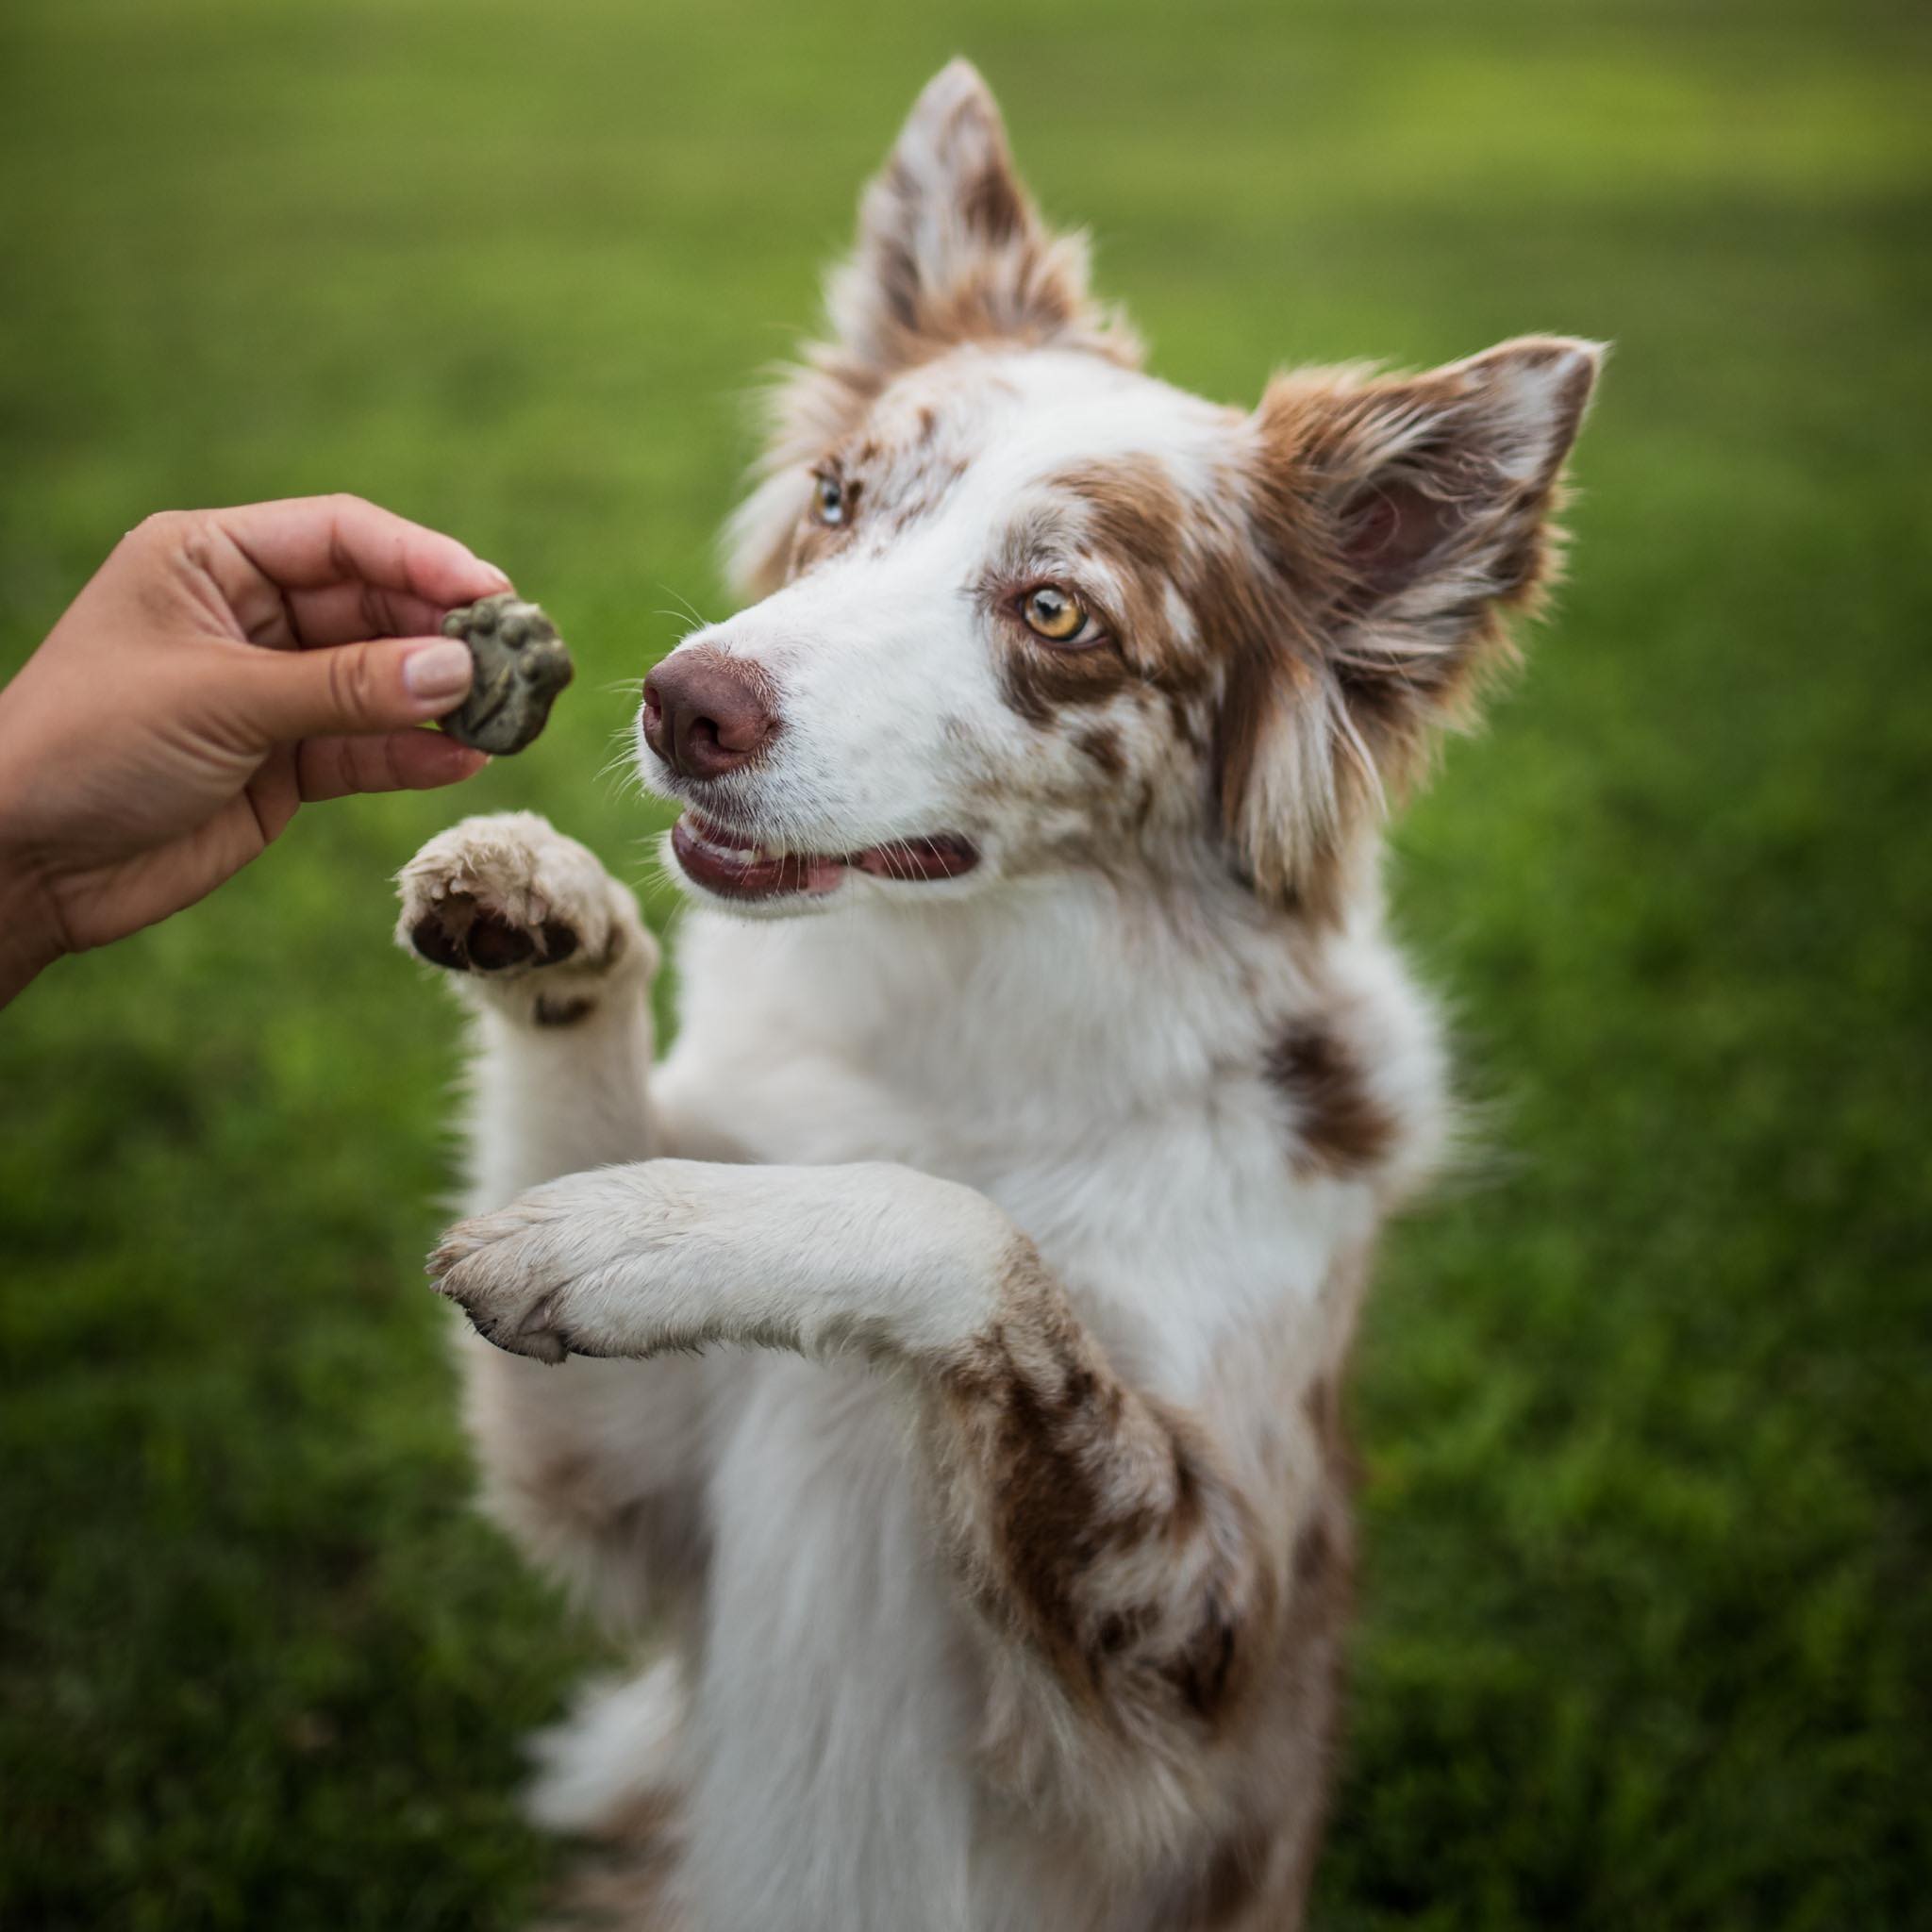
pixel 939 1350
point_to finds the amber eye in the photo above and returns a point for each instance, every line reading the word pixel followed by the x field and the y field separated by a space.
pixel 828 500
pixel 1057 615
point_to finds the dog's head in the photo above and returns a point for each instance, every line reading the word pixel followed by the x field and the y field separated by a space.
pixel 1026 608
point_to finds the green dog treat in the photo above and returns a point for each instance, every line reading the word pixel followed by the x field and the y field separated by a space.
pixel 521 666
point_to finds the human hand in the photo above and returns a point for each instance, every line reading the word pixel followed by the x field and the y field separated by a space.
pixel 221 667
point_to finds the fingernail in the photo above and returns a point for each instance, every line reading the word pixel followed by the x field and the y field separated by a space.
pixel 438 670
pixel 502 576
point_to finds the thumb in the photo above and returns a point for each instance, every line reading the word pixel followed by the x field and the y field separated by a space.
pixel 379 686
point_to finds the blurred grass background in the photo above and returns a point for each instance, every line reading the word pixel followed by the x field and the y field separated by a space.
pixel 1646 1636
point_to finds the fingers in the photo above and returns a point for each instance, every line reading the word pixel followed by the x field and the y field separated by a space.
pixel 341 613
pixel 345 690
pixel 322 570
pixel 402 762
pixel 307 542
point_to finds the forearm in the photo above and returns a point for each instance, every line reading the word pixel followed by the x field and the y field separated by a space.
pixel 671 1254
pixel 559 1094
pixel 1096 1529
pixel 1111 1558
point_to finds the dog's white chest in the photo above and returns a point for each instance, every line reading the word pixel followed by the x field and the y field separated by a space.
pixel 836 1707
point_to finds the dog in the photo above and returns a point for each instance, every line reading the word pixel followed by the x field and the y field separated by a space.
pixel 940 1353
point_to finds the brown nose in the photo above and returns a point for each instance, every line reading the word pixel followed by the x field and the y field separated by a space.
pixel 706 714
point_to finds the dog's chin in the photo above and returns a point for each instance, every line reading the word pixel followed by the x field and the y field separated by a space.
pixel 730 868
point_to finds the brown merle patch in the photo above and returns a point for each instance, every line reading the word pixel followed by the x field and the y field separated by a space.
pixel 889 487
pixel 1133 512
pixel 1381 486
pixel 921 492
pixel 628 1876
pixel 1040 682
pixel 1102 744
pixel 1315 1552
pixel 1387 541
pixel 1132 518
pixel 1201 1668
pixel 1127 515
pixel 1252 593
pixel 1038 1405
pixel 1341 1127
pixel 1071 1462
pixel 957 253
pixel 1004 277
pixel 1230 1885
pixel 992 204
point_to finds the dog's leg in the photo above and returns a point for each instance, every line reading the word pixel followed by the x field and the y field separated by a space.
pixel 593 1472
pixel 1136 1608
pixel 551 958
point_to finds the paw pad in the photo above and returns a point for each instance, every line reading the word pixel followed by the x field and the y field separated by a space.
pixel 463 937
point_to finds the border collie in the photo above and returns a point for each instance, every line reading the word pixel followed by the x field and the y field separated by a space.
pixel 937 1355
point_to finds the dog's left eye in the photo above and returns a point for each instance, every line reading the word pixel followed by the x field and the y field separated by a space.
pixel 1058 616
pixel 828 501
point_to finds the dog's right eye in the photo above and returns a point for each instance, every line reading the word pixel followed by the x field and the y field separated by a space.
pixel 828 501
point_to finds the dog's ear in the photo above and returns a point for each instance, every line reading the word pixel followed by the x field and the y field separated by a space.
pixel 950 250
pixel 950 247
pixel 1403 520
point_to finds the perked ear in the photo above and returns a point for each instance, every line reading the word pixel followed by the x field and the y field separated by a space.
pixel 1406 517
pixel 950 250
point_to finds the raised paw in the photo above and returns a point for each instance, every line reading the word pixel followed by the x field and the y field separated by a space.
pixel 506 897
pixel 502 1269
pixel 562 1270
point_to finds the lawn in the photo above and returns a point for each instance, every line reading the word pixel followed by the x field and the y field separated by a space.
pixel 1646 1626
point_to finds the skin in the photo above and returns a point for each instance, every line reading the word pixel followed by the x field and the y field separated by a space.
pixel 222 668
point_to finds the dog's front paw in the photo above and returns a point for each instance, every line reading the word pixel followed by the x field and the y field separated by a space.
pixel 505 1271
pixel 507 897
pixel 562 1270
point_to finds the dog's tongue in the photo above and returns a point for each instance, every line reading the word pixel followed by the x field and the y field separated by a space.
pixel 719 859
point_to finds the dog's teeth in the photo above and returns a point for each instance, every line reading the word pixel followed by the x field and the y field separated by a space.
pixel 721 843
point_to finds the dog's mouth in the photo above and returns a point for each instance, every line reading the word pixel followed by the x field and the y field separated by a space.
pixel 731 864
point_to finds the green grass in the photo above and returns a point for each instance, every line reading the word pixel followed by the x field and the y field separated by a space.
pixel 1646 1636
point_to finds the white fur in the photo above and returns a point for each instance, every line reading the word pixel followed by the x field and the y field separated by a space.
pixel 784 1231
pixel 829 1767
pixel 616 1748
